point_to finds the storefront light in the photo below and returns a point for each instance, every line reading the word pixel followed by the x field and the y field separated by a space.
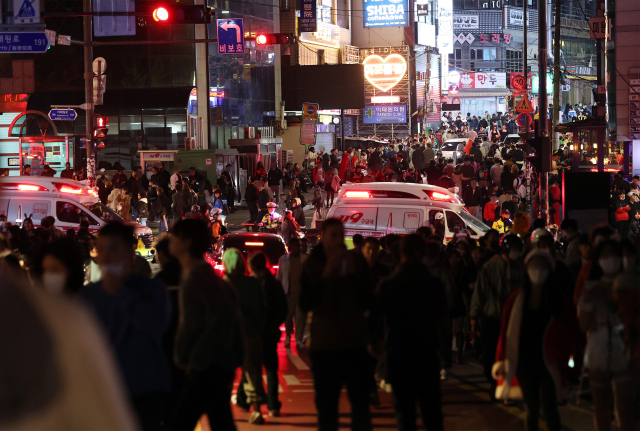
pixel 336 120
pixel 326 120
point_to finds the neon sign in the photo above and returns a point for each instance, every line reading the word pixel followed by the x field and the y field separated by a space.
pixel 385 73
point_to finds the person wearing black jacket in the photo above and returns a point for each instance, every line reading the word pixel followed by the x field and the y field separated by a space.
pixel 407 308
pixel 334 162
pixel 433 172
pixel 251 197
pixel 417 157
pixel 475 152
pixel 263 200
pixel 274 176
pixel 472 197
pixel 326 162
pixel 338 287
pixel 164 177
pixel 277 309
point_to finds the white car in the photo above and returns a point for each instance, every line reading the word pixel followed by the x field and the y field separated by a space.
pixel 454 149
pixel 68 201
pixel 379 209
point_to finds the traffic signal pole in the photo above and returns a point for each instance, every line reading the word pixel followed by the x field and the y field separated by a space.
pixel 88 88
pixel 202 85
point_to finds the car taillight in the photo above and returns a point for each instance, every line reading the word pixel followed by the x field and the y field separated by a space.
pixel 357 194
pixel 254 244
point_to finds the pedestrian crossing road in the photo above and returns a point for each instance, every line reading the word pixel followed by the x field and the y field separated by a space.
pixel 466 402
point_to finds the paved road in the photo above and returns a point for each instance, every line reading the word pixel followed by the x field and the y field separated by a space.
pixel 466 403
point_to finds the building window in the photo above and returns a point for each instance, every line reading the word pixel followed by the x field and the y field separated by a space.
pixel 465 4
pixel 455 59
pixel 325 11
pixel 481 55
pixel 514 61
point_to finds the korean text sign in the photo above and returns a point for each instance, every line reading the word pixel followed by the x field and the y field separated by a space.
pixel 384 114
pixel 386 13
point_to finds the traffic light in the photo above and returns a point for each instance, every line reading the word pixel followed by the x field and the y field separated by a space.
pixel 181 14
pixel 274 39
pixel 100 132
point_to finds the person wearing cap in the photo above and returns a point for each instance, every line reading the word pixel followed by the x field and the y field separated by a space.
pixel 543 326
pixel 119 179
pixel 438 225
pixel 497 279
pixel 504 223
pixel 272 218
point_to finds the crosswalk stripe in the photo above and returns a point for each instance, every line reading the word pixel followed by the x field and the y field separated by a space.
pixel 297 361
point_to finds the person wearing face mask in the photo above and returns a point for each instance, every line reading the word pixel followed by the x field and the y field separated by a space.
pixel 497 279
pixel 537 336
pixel 135 311
pixel 607 365
pixel 60 267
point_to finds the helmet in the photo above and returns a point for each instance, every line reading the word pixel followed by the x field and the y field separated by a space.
pixel 512 242
pixel 271 205
pixel 439 216
pixel 195 209
pixel 538 234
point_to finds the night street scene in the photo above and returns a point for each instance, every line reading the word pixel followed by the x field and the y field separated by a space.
pixel 319 214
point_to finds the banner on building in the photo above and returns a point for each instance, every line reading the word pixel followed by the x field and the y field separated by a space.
pixel 308 18
pixel 481 80
pixel 466 22
pixel 445 26
pixel 386 13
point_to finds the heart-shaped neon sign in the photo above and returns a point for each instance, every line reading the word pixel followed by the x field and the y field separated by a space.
pixel 385 73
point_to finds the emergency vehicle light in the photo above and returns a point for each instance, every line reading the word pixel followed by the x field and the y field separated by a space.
pixel 23 187
pixel 357 194
pixel 31 188
pixel 64 188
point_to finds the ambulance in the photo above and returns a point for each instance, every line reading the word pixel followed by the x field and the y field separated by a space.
pixel 379 209
pixel 68 201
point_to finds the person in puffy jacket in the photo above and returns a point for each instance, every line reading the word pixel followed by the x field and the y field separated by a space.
pixel 621 208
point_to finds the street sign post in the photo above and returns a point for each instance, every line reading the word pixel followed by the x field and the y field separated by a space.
pixel 524 120
pixel 309 123
pixel 524 105
pixel 63 114
pixel 28 42
pixel 230 36
pixel 518 82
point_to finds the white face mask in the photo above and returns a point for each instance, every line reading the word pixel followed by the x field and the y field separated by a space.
pixel 54 282
pixel 116 269
pixel 610 265
pixel 538 276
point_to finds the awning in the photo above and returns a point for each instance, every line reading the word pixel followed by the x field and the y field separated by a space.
pixel 488 93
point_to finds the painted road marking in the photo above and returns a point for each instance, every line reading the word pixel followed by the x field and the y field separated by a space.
pixel 297 361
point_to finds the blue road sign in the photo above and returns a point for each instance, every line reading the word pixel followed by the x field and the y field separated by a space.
pixel 230 36
pixel 384 114
pixel 63 114
pixel 36 42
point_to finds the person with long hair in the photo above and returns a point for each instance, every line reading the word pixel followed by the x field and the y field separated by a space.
pixel 537 336
pixel 607 366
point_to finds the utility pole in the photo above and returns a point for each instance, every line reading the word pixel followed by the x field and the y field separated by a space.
pixel 88 88
pixel 524 49
pixel 543 132
pixel 556 71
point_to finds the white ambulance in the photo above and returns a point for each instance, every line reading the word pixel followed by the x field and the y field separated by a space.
pixel 379 209
pixel 68 201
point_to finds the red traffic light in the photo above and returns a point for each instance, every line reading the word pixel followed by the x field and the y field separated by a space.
pixel 273 39
pixel 181 14
pixel 101 121
pixel 160 14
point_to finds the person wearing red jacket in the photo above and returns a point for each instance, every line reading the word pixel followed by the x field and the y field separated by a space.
pixel 555 196
pixel 489 213
pixel 537 337
pixel 621 207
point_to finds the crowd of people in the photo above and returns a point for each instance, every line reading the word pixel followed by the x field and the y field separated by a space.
pixel 402 310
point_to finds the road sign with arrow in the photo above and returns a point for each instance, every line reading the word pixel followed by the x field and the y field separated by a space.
pixel 230 36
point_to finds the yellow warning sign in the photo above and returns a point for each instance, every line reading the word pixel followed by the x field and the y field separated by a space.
pixel 524 105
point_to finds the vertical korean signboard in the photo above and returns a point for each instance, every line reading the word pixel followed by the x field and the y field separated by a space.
pixel 309 123
pixel 308 19
pixel 386 13
pixel 445 26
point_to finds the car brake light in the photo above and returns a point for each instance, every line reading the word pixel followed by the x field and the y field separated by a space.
pixel 254 244
pixel 219 267
pixel 357 194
